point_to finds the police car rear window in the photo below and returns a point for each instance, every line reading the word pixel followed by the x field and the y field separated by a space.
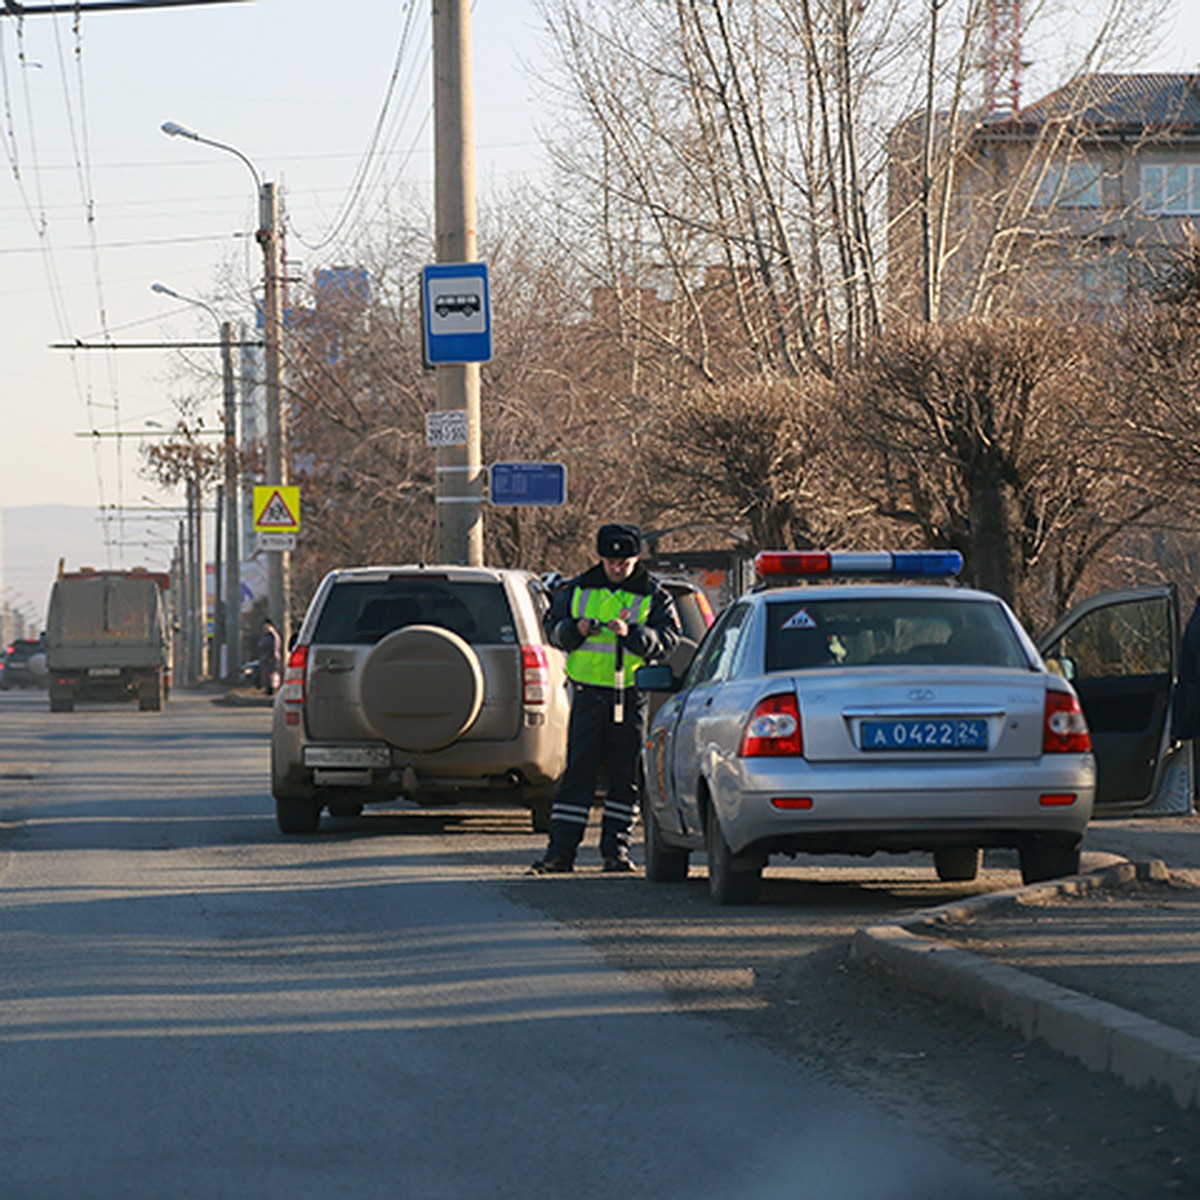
pixel 364 611
pixel 805 633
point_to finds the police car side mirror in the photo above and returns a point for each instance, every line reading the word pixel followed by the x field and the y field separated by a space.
pixel 658 678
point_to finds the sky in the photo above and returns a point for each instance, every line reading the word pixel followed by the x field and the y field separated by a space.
pixel 96 204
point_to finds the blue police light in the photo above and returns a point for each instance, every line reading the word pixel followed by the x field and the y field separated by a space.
pixel 908 564
pixel 933 564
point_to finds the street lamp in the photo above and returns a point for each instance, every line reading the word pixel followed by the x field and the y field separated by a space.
pixel 232 634
pixel 270 238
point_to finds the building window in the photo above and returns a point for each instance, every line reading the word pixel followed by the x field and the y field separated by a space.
pixel 1077 185
pixel 1171 191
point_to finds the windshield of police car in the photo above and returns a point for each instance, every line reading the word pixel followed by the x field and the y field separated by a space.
pixel 805 632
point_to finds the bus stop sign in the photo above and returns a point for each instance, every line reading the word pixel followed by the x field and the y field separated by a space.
pixel 456 313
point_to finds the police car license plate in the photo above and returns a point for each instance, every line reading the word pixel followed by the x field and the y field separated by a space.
pixel 937 733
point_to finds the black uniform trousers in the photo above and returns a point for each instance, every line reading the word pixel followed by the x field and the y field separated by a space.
pixel 596 742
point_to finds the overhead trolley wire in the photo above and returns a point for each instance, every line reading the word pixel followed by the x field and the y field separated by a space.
pixel 81 154
pixel 35 208
pixel 393 114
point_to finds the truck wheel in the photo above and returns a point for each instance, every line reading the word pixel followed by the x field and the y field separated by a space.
pixel 61 700
pixel 150 694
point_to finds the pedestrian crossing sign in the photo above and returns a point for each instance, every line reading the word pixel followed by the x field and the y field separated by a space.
pixel 276 509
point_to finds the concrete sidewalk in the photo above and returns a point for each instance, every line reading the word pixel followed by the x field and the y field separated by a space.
pixel 1103 967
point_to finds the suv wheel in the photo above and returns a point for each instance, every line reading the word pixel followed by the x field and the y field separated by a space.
pixel 421 688
pixel 539 812
pixel 297 816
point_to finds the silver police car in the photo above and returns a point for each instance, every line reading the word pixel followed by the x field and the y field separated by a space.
pixel 894 713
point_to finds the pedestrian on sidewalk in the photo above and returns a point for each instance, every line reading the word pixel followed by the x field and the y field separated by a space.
pixel 270 652
pixel 611 620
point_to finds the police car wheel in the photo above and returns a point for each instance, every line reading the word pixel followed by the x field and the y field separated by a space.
pixel 728 881
pixel 957 864
pixel 1048 858
pixel 664 864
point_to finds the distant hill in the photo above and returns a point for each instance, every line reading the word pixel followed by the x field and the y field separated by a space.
pixel 35 537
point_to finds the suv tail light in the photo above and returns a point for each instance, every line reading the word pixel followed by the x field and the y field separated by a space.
pixel 535 676
pixel 1065 731
pixel 773 729
pixel 293 675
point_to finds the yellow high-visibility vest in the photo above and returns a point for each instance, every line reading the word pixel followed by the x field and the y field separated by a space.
pixel 595 661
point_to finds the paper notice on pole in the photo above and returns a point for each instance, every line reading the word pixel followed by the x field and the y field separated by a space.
pixel 446 428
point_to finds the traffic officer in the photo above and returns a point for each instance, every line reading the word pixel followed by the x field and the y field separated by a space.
pixel 610 620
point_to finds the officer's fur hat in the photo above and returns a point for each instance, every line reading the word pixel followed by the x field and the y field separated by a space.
pixel 619 541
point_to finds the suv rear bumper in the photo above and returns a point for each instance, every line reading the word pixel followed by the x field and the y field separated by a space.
pixel 300 767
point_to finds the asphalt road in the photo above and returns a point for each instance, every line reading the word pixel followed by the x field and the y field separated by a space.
pixel 193 1006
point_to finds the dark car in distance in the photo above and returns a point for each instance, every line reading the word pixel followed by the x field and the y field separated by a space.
pixel 22 659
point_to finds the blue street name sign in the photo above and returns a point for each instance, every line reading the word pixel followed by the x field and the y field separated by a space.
pixel 457 315
pixel 528 483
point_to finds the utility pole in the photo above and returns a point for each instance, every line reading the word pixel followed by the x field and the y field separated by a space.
pixel 270 237
pixel 199 580
pixel 233 549
pixel 459 468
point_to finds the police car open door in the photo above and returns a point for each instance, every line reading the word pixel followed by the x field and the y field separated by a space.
pixel 1120 651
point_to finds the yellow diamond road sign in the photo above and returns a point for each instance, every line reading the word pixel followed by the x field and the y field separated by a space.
pixel 276 509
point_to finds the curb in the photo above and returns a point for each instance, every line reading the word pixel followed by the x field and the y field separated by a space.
pixel 1104 1037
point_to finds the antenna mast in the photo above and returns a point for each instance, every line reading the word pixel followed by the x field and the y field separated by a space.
pixel 1003 83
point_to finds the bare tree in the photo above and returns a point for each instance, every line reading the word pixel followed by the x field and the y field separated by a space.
pixel 793 150
pixel 753 463
pixel 1000 438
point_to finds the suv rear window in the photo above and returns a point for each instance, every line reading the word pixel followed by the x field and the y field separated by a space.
pixel 858 632
pixel 364 611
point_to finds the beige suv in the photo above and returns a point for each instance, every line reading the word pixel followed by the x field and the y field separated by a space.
pixel 436 683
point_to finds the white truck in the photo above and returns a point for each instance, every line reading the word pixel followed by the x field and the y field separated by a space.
pixel 108 637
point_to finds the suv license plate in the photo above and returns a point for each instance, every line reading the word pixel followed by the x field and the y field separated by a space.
pixel 938 733
pixel 347 756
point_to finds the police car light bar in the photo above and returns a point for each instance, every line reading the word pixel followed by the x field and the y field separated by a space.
pixel 927 564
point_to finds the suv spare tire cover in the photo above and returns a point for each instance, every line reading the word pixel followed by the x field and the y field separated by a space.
pixel 421 687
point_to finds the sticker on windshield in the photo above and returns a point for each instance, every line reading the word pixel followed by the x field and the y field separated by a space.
pixel 800 619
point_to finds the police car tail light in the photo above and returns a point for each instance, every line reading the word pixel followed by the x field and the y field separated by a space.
pixel 773 729
pixel 1065 731
pixel 293 675
pixel 535 676
pixel 778 565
